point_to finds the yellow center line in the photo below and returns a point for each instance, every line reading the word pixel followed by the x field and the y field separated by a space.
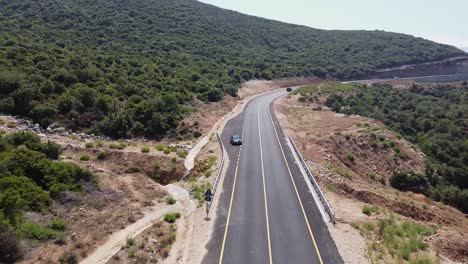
pixel 297 193
pixel 232 196
pixel 264 187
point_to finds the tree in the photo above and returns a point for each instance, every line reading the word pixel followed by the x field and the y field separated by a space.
pixel 9 82
pixel 44 113
pixel 118 124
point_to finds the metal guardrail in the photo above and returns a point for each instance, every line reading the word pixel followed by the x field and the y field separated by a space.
pixel 218 175
pixel 314 183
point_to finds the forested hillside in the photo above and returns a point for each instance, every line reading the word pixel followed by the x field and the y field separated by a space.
pixel 434 117
pixel 132 68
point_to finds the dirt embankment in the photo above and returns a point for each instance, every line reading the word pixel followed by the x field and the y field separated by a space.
pixel 353 158
pixel 458 65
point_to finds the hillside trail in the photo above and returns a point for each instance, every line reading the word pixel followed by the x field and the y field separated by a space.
pixel 117 240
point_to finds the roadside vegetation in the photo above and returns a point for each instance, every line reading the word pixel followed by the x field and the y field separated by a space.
pixel 138 67
pixel 31 178
pixel 150 246
pixel 433 117
pixel 392 239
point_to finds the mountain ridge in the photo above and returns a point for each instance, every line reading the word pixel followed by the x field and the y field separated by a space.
pixel 130 70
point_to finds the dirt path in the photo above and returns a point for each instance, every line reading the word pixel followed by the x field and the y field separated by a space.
pixel 115 242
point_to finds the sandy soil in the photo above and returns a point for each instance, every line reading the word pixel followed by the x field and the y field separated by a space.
pixel 325 138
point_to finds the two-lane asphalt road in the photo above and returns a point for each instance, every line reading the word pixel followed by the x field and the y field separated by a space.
pixel 266 213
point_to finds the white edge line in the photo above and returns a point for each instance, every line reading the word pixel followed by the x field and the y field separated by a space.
pixel 309 184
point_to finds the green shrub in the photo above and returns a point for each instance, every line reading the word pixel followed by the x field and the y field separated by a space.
pixel 339 170
pixel 451 195
pixel 132 252
pixel 369 209
pixel 167 150
pixel 145 149
pixel 89 145
pixel 182 153
pixel 171 217
pixel 197 134
pixel 113 146
pixel 58 224
pixel 33 142
pixel 102 155
pixel 85 157
pixel 350 157
pixel 198 191
pixel 156 165
pixel 170 200
pixel 119 146
pixel 156 176
pixel 10 246
pixel 32 230
pixel 133 169
pixel 130 241
pixel 377 177
pixel 408 181
pixel 29 195
pixel 160 147
pixel 69 257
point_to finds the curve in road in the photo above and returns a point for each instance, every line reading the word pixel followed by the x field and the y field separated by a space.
pixel 266 213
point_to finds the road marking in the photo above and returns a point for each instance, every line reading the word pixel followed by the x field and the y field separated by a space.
pixel 232 192
pixel 295 188
pixel 264 185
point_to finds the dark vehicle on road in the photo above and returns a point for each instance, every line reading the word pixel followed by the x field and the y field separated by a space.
pixel 289 89
pixel 236 140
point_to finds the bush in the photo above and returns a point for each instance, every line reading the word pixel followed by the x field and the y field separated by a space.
pixel 171 217
pixel 182 153
pixel 145 149
pixel 133 169
pixel 156 165
pixel 69 257
pixel 33 142
pixel 99 143
pixel 30 196
pixel 160 147
pixel 85 157
pixel 132 252
pixel 10 246
pixel 89 145
pixel 130 241
pixel 350 157
pixel 451 195
pixel 409 181
pixel 58 224
pixel 170 200
pixel 120 145
pixel 377 177
pixel 32 230
pixel 369 209
pixel 102 155
pixel 197 134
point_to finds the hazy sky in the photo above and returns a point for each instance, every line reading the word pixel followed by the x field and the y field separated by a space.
pixel 444 21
